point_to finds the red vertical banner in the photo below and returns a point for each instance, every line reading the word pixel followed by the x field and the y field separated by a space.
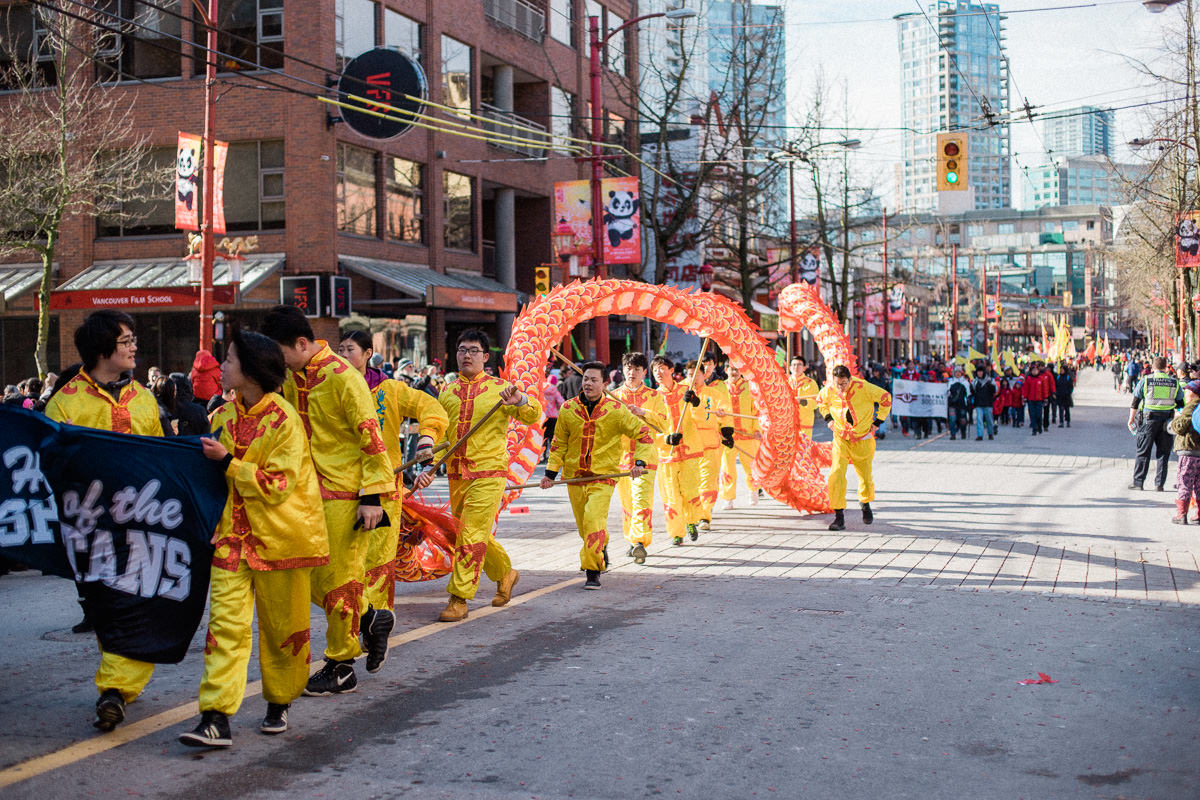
pixel 187 186
pixel 622 218
pixel 895 304
pixel 1187 239
pixel 220 154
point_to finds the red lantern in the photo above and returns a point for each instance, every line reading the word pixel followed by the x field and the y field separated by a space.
pixel 706 276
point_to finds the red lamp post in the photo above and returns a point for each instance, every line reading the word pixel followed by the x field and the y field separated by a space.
pixel 706 277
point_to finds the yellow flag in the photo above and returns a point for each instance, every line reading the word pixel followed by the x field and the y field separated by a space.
pixel 973 354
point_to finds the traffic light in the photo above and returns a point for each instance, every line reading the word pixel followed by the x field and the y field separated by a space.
pixel 951 162
pixel 541 280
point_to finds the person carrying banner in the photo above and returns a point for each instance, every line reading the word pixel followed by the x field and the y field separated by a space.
pixel 709 396
pixel 478 471
pixel 854 409
pixel 637 494
pixel 588 442
pixel 679 457
pixel 745 436
pixel 353 473
pixel 805 389
pixel 104 395
pixel 270 537
pixel 395 401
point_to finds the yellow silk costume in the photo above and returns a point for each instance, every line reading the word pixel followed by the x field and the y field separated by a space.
pixel 82 402
pixel 270 537
pixel 805 389
pixel 396 401
pixel 637 494
pixel 590 443
pixel 679 466
pixel 853 413
pixel 713 396
pixel 478 472
pixel 744 436
pixel 351 460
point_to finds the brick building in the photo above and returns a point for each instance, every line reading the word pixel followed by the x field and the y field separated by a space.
pixel 436 232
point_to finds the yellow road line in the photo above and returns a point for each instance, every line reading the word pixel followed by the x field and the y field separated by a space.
pixel 165 719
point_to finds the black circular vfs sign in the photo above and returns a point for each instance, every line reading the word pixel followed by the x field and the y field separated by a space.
pixel 374 80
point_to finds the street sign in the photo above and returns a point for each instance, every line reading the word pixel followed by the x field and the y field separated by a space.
pixel 339 296
pixel 303 292
pixel 378 78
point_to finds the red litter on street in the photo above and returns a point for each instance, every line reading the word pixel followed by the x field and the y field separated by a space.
pixel 1041 678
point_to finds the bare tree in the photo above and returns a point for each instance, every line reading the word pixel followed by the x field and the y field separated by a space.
pixel 67 145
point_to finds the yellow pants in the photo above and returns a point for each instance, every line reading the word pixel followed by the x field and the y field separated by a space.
pixel 710 479
pixel 845 453
pixel 637 507
pixel 729 461
pixel 590 502
pixel 679 485
pixel 281 600
pixel 475 503
pixel 338 586
pixel 380 577
pixel 126 675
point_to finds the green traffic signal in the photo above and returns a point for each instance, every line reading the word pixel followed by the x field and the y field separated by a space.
pixel 951 177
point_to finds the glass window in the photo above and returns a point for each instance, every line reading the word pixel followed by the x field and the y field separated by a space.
pixel 562 112
pixel 151 215
pixel 456 74
pixel 354 21
pixel 405 200
pixel 458 231
pixel 1005 227
pixel 356 190
pixel 562 21
pixel 402 33
pixel 25 38
pixel 249 35
pixel 616 44
pixel 149 48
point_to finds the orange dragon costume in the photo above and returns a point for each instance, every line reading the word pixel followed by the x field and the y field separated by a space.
pixel 590 443
pixel 351 461
pixel 270 538
pixel 637 494
pixel 134 410
pixel 851 415
pixel 745 436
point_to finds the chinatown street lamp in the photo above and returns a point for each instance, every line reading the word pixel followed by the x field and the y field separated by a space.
pixel 597 44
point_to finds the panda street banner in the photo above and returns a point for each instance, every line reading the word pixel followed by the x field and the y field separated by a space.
pixel 621 212
pixel 1187 240
pixel 918 398
pixel 187 183
pixel 129 518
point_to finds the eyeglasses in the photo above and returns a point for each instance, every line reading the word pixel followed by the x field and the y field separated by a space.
pixel 128 341
pixel 470 351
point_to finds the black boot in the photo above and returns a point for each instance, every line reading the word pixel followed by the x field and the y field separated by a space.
pixel 868 517
pixel 839 520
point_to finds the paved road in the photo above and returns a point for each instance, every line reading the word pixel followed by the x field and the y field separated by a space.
pixel 772 658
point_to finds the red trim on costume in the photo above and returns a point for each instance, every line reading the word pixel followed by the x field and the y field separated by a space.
pixel 348 594
pixel 297 641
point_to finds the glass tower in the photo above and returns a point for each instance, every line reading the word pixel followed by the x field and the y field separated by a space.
pixel 1083 131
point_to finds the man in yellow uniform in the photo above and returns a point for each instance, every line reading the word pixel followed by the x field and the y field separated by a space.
pixel 104 395
pixel 478 471
pixel 637 494
pixel 394 402
pixel 854 409
pixel 709 397
pixel 745 437
pixel 588 441
pixel 679 456
pixel 354 474
pixel 805 389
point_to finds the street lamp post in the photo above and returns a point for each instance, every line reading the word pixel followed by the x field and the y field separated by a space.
pixel 208 253
pixel 596 45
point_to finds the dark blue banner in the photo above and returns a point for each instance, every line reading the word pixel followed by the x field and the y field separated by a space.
pixel 129 518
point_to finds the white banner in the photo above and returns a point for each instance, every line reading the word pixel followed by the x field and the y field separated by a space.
pixel 919 399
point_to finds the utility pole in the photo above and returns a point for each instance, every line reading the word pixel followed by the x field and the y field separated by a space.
pixel 208 251
pixel 887 356
pixel 953 300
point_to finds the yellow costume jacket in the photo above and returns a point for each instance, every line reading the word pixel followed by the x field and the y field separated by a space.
pixel 591 444
pixel 84 403
pixel 691 446
pixel 740 402
pixel 338 413
pixel 273 517
pixel 712 396
pixel 855 410
pixel 805 389
pixel 467 400
pixel 396 401
pixel 656 413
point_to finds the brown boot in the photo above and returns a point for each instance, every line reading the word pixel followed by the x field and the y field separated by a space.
pixel 1181 507
pixel 504 588
pixel 455 610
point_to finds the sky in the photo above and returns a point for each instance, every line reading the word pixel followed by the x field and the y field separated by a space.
pixel 1058 59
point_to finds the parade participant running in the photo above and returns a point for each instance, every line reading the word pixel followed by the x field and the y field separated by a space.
pixel 854 409
pixel 587 442
pixel 270 536
pixel 1156 396
pixel 709 397
pixel 354 474
pixel 637 494
pixel 104 395
pixel 679 457
pixel 745 436
pixel 478 471
pixel 395 401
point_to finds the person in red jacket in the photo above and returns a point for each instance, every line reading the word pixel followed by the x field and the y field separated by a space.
pixel 1049 388
pixel 205 375
pixel 1035 393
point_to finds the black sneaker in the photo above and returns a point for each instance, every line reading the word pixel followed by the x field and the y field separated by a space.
pixel 693 532
pixel 276 719
pixel 868 516
pixel 979 438
pixel 375 633
pixel 677 541
pixel 83 626
pixel 839 521
pixel 213 731
pixel 110 710
pixel 593 579
pixel 333 678
pixel 639 554
pixel 605 557
pixel 630 552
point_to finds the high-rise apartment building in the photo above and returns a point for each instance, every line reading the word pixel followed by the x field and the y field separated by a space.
pixel 954 78
pixel 1083 131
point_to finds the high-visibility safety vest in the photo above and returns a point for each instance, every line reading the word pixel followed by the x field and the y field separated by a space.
pixel 1159 392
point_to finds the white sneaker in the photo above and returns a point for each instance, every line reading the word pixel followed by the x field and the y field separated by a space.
pixel 724 505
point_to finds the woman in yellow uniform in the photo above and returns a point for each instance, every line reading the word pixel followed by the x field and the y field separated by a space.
pixel 395 401
pixel 745 436
pixel 104 395
pixel 587 442
pixel 271 535
pixel 637 494
pixel 679 457
pixel 478 471
pixel 854 410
